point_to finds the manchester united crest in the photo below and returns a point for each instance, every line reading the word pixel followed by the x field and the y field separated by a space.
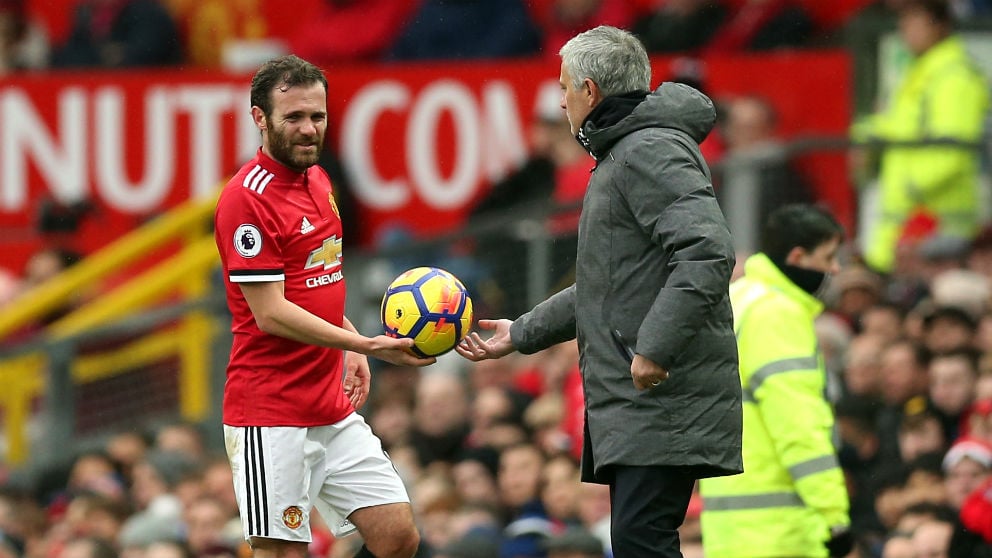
pixel 334 205
pixel 292 517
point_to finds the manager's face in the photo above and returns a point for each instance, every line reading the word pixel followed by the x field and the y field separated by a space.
pixel 577 102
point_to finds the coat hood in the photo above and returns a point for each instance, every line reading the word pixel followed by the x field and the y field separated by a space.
pixel 671 105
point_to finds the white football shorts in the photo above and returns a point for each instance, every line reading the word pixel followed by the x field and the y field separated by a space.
pixel 282 472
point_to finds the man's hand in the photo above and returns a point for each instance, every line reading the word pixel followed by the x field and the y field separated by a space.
pixel 475 348
pixel 357 378
pixel 396 350
pixel 646 373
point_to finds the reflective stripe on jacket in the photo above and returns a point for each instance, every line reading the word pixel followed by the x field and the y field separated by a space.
pixel 792 490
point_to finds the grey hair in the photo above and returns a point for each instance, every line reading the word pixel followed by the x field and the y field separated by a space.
pixel 614 59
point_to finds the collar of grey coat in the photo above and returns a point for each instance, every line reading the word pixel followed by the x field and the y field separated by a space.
pixel 671 105
pixel 607 113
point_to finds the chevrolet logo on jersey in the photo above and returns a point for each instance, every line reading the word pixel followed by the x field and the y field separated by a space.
pixel 328 255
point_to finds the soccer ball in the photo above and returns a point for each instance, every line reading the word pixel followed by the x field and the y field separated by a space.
pixel 430 306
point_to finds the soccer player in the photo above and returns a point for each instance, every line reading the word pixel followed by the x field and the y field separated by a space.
pixel 298 367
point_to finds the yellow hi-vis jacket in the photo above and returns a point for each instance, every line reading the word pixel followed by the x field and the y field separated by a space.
pixel 942 98
pixel 792 491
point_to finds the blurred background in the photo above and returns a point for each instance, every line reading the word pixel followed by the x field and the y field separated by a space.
pixel 121 119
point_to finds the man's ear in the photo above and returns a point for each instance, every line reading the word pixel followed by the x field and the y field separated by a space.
pixel 258 115
pixel 795 256
pixel 595 95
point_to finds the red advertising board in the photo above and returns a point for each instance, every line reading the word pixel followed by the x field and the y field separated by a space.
pixel 420 142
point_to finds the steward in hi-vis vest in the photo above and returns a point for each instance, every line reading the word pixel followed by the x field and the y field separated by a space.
pixel 791 499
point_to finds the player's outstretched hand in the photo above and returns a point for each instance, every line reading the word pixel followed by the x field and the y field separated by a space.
pixel 396 350
pixel 475 348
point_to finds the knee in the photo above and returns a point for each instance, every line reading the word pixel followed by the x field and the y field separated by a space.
pixel 399 544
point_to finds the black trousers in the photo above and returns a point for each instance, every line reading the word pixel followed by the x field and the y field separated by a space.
pixel 648 506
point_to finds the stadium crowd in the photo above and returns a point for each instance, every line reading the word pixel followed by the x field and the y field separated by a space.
pixel 489 451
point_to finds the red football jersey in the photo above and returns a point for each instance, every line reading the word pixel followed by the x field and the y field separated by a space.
pixel 275 224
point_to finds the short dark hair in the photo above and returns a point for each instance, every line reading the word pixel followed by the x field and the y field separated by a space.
pixel 938 10
pixel 798 225
pixel 285 71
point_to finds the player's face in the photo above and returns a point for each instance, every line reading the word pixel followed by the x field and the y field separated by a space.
pixel 577 102
pixel 294 132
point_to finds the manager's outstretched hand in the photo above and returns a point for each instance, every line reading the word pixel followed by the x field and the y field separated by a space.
pixel 475 348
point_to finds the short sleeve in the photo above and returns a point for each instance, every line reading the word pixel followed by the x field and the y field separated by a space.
pixel 248 240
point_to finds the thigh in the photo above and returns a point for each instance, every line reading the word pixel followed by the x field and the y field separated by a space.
pixel 649 505
pixel 358 475
pixel 271 481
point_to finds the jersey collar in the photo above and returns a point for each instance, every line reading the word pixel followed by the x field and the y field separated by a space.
pixel 282 172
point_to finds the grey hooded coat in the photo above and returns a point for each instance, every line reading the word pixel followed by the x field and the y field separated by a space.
pixel 654 264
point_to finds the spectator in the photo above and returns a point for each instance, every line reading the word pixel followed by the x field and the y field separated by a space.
pixel 756 155
pixel 345 31
pixel 96 515
pixel 126 449
pixel 905 381
pixel 976 511
pixel 967 465
pixel 207 524
pixel 441 418
pixel 942 97
pixel 474 544
pixel 159 508
pixel 474 476
pixel 88 547
pixel 574 542
pixel 181 437
pixel 920 433
pixel 167 549
pixel 932 539
pixel 980 257
pixel 23 41
pixel 961 288
pixel 862 369
pixel 979 421
pixel 949 328
pixel 882 320
pixel 120 34
pixel 392 420
pixel 924 512
pixel 94 471
pixel 594 512
pixel 519 481
pixel 560 20
pixel 899 546
pixel 560 485
pixel 856 290
pixel 760 25
pixel 680 25
pixel 965 10
pixel 466 29
pixel 953 375
pixel 858 456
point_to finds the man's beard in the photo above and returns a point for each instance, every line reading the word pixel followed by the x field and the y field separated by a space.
pixel 282 149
